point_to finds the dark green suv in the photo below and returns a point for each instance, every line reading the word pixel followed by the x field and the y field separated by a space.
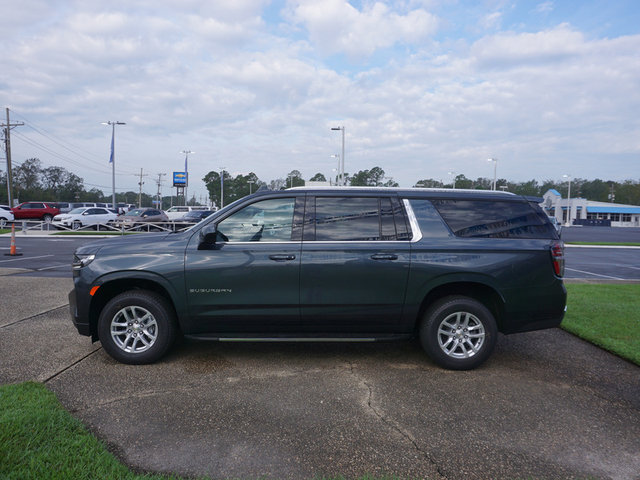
pixel 451 267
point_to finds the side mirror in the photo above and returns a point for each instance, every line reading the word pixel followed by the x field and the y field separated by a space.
pixel 208 237
pixel 209 234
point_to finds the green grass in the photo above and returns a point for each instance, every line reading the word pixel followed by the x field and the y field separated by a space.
pixel 607 316
pixel 40 440
pixel 612 244
pixel 5 230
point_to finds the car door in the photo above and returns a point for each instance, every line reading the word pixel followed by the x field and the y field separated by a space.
pixel 247 281
pixel 355 264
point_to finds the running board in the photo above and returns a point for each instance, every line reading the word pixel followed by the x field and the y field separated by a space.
pixel 292 339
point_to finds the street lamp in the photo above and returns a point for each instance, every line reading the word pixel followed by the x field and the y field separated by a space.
pixel 335 155
pixel 568 223
pixel 112 158
pixel 453 174
pixel 250 182
pixel 342 157
pixel 186 172
pixel 222 187
pixel 495 169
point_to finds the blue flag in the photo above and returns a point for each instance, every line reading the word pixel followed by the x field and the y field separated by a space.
pixel 111 157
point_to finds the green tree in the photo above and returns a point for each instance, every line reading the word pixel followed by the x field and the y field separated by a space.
pixel 371 178
pixel 525 188
pixel 318 177
pixel 428 183
pixel 212 182
pixel 26 178
pixel 294 179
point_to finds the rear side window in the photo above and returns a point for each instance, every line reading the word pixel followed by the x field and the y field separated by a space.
pixel 494 218
pixel 358 219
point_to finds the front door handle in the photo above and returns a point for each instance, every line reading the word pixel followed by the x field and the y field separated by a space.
pixel 384 256
pixel 282 258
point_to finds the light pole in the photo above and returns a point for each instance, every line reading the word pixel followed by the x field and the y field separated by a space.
pixel 341 169
pixel 495 169
pixel 186 172
pixel 568 223
pixel 222 187
pixel 335 155
pixel 112 158
pixel 453 176
pixel 250 182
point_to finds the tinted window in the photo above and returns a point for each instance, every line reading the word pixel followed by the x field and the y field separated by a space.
pixel 359 219
pixel 265 221
pixel 498 219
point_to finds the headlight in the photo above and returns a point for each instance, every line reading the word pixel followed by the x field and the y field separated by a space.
pixel 81 260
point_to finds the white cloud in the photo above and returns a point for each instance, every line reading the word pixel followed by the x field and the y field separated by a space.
pixel 219 81
pixel 335 26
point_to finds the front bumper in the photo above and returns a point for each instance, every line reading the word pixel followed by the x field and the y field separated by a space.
pixel 79 314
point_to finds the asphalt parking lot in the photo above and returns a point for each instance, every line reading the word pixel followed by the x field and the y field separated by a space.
pixel 546 405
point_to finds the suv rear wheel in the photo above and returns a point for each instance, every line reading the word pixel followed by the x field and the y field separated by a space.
pixel 137 327
pixel 458 332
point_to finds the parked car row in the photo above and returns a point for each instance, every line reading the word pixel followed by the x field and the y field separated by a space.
pixel 83 214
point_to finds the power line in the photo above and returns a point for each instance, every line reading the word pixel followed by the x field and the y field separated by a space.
pixel 75 150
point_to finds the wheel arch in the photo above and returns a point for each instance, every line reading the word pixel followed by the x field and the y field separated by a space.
pixel 111 287
pixel 482 292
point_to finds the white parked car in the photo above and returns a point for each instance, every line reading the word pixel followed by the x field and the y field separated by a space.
pixel 6 215
pixel 179 211
pixel 84 216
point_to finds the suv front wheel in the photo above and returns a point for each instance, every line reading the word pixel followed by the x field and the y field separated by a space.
pixel 458 332
pixel 137 327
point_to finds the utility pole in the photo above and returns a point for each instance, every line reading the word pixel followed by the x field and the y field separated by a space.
pixel 7 145
pixel 140 194
pixel 159 182
pixel 186 172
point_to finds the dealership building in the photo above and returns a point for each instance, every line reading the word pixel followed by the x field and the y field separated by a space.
pixel 580 211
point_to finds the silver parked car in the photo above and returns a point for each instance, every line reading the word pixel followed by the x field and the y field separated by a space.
pixel 141 216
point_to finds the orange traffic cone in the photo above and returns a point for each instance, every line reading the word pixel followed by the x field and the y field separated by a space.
pixel 12 250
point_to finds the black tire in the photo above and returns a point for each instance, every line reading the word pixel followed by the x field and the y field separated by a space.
pixel 145 334
pixel 47 218
pixel 76 225
pixel 458 332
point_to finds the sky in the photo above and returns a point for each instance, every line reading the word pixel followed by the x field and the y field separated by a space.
pixel 422 87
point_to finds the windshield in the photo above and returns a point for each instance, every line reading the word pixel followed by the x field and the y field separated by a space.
pixel 136 213
pixel 77 211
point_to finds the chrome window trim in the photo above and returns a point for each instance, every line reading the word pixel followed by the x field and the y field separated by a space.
pixel 413 221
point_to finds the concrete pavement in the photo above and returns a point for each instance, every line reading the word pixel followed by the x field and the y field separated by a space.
pixel 546 405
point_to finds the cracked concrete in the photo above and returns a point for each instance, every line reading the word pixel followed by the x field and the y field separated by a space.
pixel 546 405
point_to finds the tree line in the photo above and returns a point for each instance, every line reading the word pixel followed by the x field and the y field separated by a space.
pixel 32 181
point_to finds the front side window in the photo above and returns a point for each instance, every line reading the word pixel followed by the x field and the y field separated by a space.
pixel 264 221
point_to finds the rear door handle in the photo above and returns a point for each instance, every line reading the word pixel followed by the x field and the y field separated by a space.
pixel 384 256
pixel 282 258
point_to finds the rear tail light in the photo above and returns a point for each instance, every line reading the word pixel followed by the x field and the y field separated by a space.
pixel 557 257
